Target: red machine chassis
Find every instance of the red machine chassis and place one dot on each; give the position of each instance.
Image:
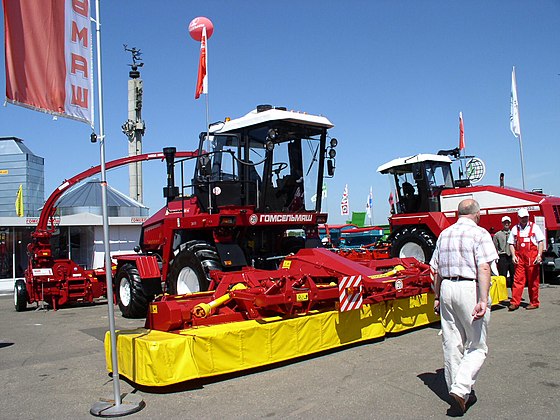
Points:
(307, 281)
(62, 281)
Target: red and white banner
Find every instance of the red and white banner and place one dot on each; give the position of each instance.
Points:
(461, 132)
(350, 293)
(49, 62)
(202, 80)
(344, 203)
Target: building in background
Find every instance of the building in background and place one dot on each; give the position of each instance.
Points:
(79, 222)
(19, 166)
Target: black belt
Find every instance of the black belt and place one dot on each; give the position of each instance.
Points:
(458, 279)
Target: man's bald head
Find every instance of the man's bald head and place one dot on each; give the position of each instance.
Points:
(468, 207)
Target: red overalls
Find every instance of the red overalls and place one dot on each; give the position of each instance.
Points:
(525, 269)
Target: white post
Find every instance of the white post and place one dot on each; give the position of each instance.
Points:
(117, 406)
(208, 142)
(522, 161)
(69, 239)
(13, 253)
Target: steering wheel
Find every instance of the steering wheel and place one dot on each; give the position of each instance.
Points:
(280, 166)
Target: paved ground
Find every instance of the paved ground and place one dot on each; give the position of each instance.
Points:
(52, 366)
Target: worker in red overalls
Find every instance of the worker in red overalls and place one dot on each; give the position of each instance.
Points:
(526, 242)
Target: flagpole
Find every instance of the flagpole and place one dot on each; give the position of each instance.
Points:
(522, 160)
(208, 147)
(117, 406)
(205, 87)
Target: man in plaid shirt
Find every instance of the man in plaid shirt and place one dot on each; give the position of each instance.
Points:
(461, 263)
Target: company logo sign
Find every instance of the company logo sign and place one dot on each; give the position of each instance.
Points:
(280, 218)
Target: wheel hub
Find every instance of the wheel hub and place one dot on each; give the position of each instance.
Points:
(124, 291)
(187, 281)
(412, 249)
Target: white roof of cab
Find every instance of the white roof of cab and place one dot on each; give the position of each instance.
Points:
(254, 118)
(424, 157)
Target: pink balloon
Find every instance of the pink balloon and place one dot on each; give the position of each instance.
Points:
(196, 25)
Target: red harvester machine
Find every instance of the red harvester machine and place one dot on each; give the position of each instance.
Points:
(249, 204)
(61, 281)
(427, 196)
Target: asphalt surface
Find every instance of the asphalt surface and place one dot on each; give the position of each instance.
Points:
(52, 365)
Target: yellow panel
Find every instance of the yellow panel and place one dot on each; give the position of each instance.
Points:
(498, 289)
(404, 314)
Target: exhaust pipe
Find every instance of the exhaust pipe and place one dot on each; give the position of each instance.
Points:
(171, 191)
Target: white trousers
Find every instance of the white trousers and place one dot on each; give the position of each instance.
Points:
(464, 338)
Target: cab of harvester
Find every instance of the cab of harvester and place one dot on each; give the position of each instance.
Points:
(427, 196)
(255, 198)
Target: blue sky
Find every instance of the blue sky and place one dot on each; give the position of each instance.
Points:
(391, 75)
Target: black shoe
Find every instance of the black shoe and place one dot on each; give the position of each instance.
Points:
(471, 400)
(461, 403)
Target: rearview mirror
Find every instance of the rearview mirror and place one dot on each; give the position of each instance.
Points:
(330, 167)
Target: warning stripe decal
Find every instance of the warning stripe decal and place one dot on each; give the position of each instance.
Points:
(350, 293)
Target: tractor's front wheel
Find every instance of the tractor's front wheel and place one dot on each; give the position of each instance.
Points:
(413, 242)
(20, 296)
(132, 300)
(190, 268)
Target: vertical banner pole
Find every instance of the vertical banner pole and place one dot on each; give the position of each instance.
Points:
(522, 161)
(13, 253)
(208, 145)
(117, 406)
(106, 238)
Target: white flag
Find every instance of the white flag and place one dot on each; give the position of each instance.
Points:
(514, 114)
(369, 203)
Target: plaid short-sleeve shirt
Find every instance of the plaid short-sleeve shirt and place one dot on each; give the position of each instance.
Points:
(461, 248)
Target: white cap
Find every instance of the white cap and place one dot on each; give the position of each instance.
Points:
(506, 218)
(523, 213)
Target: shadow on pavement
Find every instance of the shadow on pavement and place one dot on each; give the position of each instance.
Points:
(5, 344)
(436, 382)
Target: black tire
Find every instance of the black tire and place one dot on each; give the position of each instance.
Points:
(20, 296)
(132, 300)
(413, 242)
(191, 266)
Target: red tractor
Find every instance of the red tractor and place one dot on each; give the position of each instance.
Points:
(249, 203)
(426, 202)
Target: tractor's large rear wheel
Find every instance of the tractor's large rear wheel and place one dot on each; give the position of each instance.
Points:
(132, 300)
(413, 242)
(20, 296)
(190, 268)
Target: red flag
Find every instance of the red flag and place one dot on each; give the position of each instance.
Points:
(202, 81)
(461, 132)
(49, 56)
